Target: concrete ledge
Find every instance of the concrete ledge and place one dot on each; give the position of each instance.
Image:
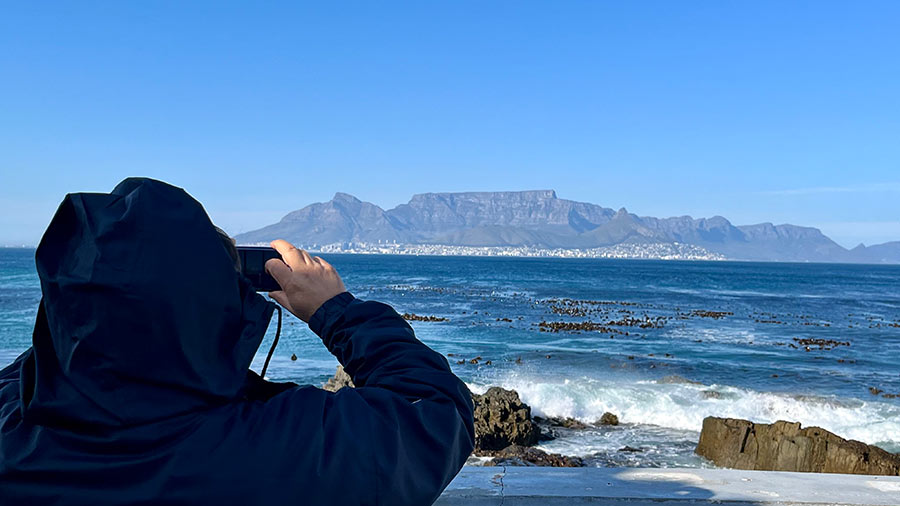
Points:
(639, 487)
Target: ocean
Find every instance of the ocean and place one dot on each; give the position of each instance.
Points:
(661, 344)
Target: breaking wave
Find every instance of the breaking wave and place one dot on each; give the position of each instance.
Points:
(684, 405)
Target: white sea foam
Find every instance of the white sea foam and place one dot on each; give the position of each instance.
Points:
(683, 406)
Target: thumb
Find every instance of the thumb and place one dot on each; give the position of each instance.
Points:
(281, 298)
(278, 270)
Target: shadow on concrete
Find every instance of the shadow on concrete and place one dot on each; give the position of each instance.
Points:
(640, 486)
(511, 486)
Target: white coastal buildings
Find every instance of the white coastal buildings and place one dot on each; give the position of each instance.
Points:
(649, 251)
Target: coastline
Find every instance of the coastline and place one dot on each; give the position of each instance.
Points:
(607, 253)
(647, 251)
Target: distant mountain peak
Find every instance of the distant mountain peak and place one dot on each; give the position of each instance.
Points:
(345, 197)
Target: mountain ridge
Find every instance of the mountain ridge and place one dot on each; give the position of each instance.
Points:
(539, 218)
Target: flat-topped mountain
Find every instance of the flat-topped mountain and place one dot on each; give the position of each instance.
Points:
(541, 219)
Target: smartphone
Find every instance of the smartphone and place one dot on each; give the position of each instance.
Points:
(253, 266)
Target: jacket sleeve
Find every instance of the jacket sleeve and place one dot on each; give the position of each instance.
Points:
(418, 413)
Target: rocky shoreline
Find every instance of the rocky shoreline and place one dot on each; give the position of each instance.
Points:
(506, 434)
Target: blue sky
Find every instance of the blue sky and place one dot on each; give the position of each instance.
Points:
(757, 111)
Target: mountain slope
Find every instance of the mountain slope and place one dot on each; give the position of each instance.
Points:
(887, 253)
(342, 219)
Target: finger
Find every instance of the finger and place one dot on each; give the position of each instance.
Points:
(324, 263)
(306, 258)
(278, 270)
(289, 253)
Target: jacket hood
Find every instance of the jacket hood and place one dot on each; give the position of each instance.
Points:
(143, 315)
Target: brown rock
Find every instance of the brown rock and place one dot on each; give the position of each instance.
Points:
(608, 419)
(340, 380)
(568, 422)
(502, 419)
(515, 455)
(421, 318)
(785, 446)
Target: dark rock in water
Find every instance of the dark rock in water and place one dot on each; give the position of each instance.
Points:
(676, 379)
(340, 380)
(502, 419)
(546, 435)
(546, 427)
(421, 318)
(571, 423)
(631, 449)
(823, 344)
(785, 446)
(516, 455)
(608, 419)
(711, 394)
(711, 314)
(568, 422)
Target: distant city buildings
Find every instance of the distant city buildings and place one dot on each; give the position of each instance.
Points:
(652, 251)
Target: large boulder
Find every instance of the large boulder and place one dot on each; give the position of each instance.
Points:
(785, 446)
(340, 380)
(502, 419)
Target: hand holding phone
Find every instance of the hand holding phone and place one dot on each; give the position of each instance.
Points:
(306, 281)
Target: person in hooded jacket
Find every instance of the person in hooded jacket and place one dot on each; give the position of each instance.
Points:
(137, 388)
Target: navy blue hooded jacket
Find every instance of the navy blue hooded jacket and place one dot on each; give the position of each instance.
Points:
(137, 388)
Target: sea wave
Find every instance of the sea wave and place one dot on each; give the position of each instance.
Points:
(683, 406)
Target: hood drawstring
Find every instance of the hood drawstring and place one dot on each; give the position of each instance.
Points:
(262, 373)
(231, 248)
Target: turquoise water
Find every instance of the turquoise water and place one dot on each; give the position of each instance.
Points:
(727, 339)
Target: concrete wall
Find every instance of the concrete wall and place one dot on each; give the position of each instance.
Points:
(475, 486)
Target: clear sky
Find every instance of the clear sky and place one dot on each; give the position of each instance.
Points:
(782, 111)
